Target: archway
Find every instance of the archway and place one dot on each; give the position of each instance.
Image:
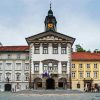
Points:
(37, 83)
(50, 83)
(7, 87)
(62, 83)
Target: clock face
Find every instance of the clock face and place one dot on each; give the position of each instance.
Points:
(50, 25)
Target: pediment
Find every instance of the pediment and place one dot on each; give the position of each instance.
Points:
(49, 36)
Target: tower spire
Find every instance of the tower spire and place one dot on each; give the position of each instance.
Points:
(50, 5)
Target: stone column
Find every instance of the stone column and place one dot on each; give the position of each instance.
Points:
(59, 68)
(41, 68)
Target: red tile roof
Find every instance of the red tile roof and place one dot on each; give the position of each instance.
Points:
(14, 48)
(83, 56)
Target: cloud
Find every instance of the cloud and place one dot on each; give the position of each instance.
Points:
(27, 18)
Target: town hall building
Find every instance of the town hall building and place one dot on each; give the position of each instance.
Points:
(50, 57)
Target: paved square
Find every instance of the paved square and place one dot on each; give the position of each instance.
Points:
(48, 95)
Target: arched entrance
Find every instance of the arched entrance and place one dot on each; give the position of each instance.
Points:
(7, 87)
(62, 83)
(50, 83)
(37, 83)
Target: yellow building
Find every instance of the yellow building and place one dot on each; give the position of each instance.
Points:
(85, 71)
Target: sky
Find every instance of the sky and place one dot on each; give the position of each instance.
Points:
(76, 18)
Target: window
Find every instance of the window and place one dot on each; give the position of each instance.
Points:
(18, 66)
(80, 65)
(26, 76)
(8, 76)
(45, 48)
(95, 74)
(8, 66)
(36, 67)
(26, 66)
(55, 66)
(73, 65)
(88, 65)
(0, 76)
(45, 67)
(95, 65)
(36, 49)
(18, 56)
(0, 56)
(0, 66)
(63, 49)
(81, 74)
(73, 74)
(18, 76)
(87, 74)
(64, 66)
(9, 56)
(55, 48)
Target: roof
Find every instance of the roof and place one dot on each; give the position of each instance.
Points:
(14, 48)
(84, 56)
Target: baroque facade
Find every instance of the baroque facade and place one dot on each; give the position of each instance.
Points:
(50, 57)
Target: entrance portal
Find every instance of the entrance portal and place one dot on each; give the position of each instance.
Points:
(7, 87)
(50, 83)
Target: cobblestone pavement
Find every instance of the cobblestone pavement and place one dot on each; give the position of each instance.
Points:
(49, 95)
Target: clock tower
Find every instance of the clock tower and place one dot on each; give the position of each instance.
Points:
(50, 21)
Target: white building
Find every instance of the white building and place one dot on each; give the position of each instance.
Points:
(50, 56)
(14, 68)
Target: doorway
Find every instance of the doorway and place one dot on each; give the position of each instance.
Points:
(7, 87)
(50, 83)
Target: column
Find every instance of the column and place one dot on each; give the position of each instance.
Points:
(41, 68)
(59, 68)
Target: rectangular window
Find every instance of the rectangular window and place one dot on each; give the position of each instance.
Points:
(81, 74)
(88, 65)
(80, 65)
(18, 75)
(45, 67)
(95, 65)
(36, 49)
(26, 77)
(36, 67)
(0, 76)
(8, 76)
(73, 74)
(55, 48)
(55, 66)
(64, 66)
(95, 74)
(87, 74)
(0, 66)
(8, 66)
(73, 65)
(18, 66)
(26, 66)
(63, 49)
(45, 48)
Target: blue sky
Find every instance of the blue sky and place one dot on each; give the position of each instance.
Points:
(77, 18)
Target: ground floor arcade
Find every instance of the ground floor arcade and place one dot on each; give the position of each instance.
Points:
(50, 83)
